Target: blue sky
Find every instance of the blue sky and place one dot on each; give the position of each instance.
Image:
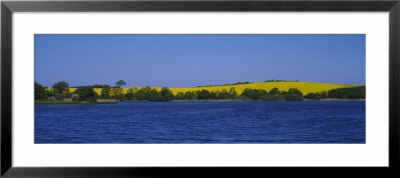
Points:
(193, 60)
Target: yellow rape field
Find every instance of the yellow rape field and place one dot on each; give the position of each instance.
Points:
(304, 87)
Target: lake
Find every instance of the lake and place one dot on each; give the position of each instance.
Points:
(202, 122)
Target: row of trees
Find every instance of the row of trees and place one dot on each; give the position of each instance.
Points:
(247, 82)
(152, 94)
(61, 91)
(340, 93)
(348, 93)
(293, 94)
(80, 94)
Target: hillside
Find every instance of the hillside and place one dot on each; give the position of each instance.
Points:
(304, 87)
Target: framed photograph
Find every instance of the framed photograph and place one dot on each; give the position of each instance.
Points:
(157, 88)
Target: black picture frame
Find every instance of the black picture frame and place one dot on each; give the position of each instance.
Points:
(8, 7)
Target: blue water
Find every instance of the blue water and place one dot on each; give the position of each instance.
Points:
(202, 122)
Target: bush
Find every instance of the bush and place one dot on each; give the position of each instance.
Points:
(185, 96)
(224, 94)
(323, 94)
(241, 97)
(274, 97)
(154, 95)
(190, 95)
(86, 93)
(254, 93)
(64, 95)
(293, 94)
(314, 96)
(274, 91)
(348, 93)
(75, 97)
(232, 92)
(180, 96)
(121, 97)
(60, 88)
(49, 93)
(166, 94)
(148, 93)
(40, 92)
(204, 94)
(130, 95)
(105, 91)
(60, 97)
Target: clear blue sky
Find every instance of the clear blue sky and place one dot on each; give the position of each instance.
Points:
(193, 60)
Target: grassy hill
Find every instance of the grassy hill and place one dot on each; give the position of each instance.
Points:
(304, 87)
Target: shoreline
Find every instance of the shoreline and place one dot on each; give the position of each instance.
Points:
(233, 100)
(335, 99)
(70, 103)
(222, 100)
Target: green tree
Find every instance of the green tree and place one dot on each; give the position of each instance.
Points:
(274, 91)
(49, 93)
(204, 94)
(190, 95)
(180, 96)
(64, 95)
(253, 93)
(142, 92)
(323, 94)
(86, 93)
(105, 91)
(166, 94)
(120, 83)
(293, 94)
(60, 88)
(274, 97)
(213, 95)
(40, 92)
(314, 96)
(130, 94)
(224, 94)
(232, 92)
(348, 93)
(154, 95)
(151, 94)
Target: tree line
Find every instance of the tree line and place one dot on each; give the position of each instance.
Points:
(340, 93)
(61, 91)
(247, 82)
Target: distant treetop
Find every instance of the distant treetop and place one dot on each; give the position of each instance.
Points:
(120, 83)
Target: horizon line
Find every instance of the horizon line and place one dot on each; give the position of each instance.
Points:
(241, 83)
